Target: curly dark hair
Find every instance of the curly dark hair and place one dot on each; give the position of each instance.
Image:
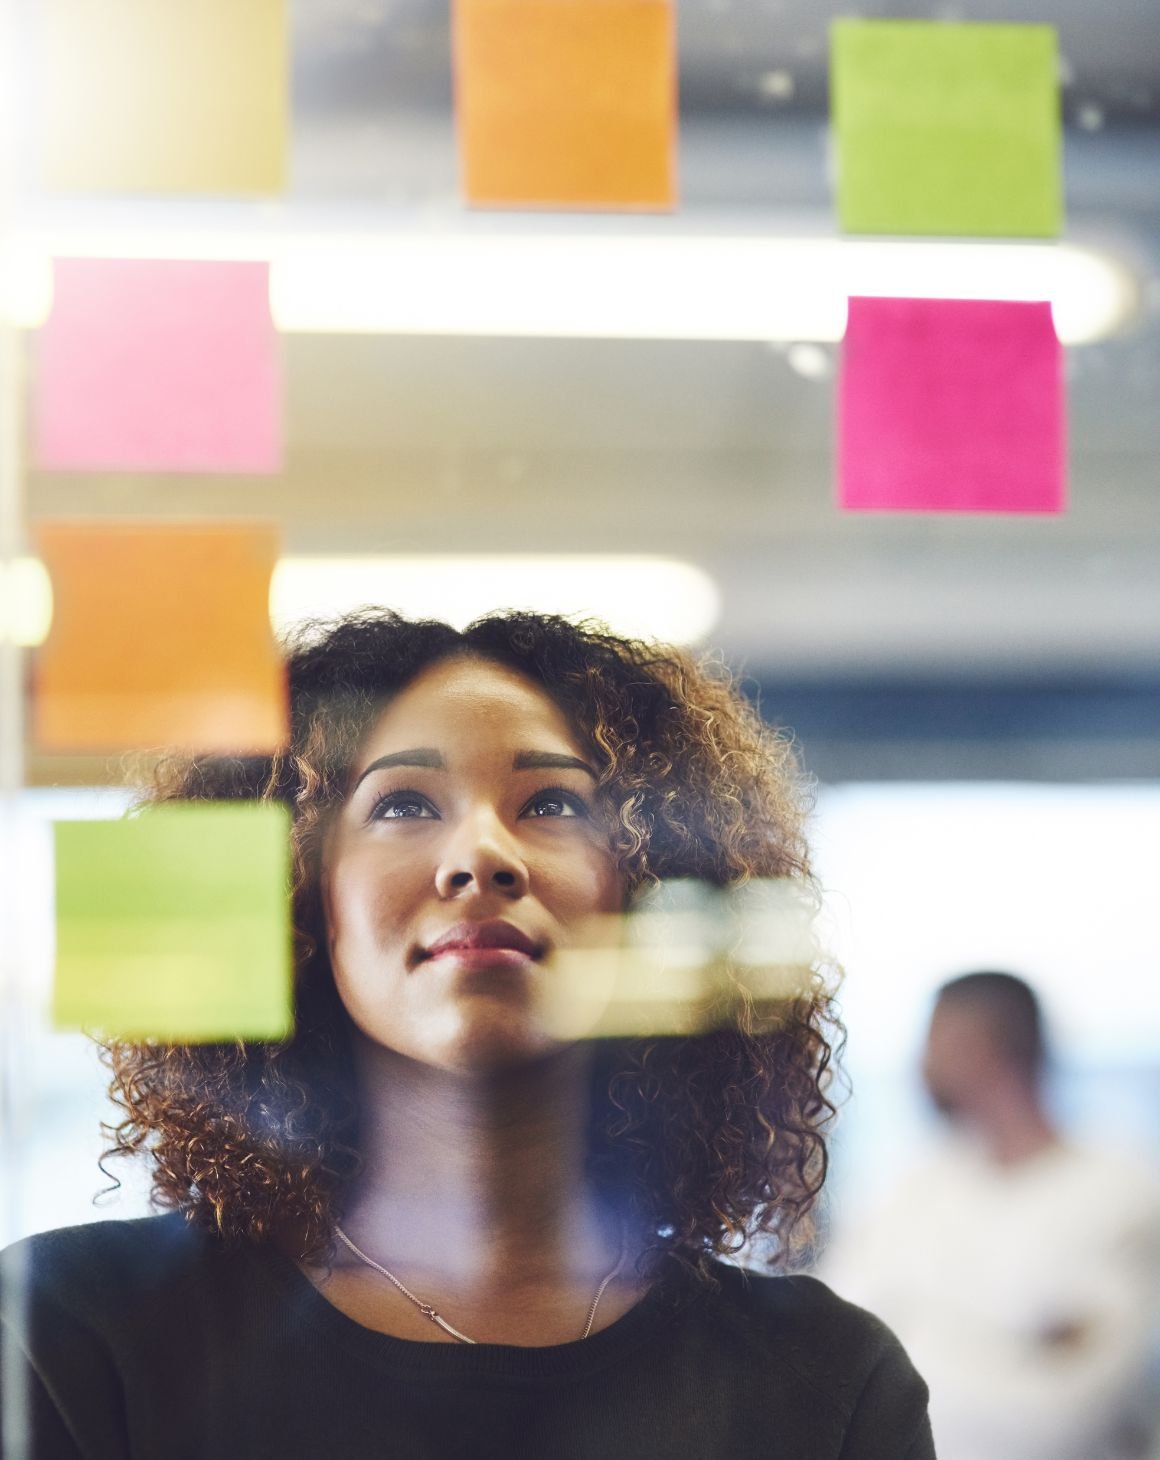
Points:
(707, 1139)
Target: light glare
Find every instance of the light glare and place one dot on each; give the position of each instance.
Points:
(652, 598)
(613, 286)
(25, 602)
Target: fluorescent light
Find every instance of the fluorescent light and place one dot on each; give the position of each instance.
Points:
(602, 285)
(655, 598)
(25, 287)
(25, 602)
(646, 597)
(663, 286)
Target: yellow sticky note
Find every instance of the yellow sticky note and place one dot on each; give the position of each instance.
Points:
(160, 638)
(567, 103)
(169, 96)
(174, 925)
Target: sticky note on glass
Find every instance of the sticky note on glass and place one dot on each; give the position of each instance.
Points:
(946, 128)
(566, 103)
(175, 924)
(164, 96)
(158, 365)
(951, 405)
(160, 637)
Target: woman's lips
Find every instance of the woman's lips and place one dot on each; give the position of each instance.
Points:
(512, 958)
(489, 933)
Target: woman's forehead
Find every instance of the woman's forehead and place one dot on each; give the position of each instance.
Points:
(466, 701)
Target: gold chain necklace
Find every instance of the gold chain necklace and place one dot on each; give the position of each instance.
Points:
(429, 1313)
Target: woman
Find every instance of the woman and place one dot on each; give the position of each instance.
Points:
(427, 1225)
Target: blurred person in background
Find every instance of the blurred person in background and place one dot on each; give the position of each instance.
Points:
(1019, 1267)
(428, 1225)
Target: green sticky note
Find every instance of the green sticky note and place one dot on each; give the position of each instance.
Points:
(174, 925)
(946, 128)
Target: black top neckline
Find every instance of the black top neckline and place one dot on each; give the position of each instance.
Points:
(645, 1320)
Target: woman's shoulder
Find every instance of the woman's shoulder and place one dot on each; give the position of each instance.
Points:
(839, 1367)
(799, 1300)
(801, 1316)
(96, 1262)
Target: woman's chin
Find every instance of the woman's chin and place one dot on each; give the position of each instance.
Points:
(477, 1038)
(487, 1046)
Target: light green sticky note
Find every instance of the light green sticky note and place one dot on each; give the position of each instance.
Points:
(174, 925)
(946, 128)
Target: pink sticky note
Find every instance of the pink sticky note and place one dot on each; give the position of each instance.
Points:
(951, 405)
(167, 365)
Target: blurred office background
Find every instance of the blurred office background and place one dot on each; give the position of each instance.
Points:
(977, 696)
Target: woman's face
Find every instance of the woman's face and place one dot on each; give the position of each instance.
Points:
(470, 822)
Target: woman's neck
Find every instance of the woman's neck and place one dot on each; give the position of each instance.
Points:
(479, 1178)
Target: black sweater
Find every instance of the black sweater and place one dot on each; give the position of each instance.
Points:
(148, 1339)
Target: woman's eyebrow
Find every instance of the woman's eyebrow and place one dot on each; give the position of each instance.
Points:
(523, 760)
(542, 760)
(421, 756)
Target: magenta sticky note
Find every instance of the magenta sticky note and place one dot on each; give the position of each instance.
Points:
(951, 405)
(158, 365)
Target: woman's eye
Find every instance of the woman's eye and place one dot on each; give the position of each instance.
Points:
(410, 806)
(400, 806)
(555, 802)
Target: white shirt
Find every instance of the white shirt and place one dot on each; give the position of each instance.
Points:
(975, 1265)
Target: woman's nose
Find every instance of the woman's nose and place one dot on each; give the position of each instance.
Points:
(482, 855)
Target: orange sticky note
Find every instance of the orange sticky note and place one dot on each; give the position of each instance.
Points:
(567, 103)
(160, 638)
